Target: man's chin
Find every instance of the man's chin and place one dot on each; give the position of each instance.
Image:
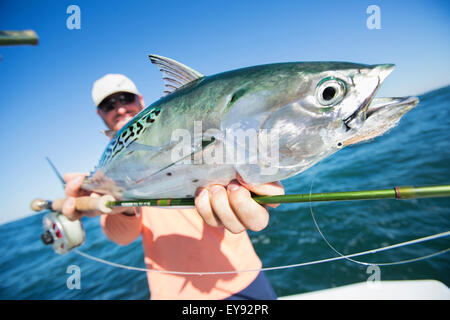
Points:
(122, 121)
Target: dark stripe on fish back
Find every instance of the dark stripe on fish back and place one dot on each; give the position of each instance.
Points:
(132, 131)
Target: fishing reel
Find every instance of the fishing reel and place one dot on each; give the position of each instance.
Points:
(62, 234)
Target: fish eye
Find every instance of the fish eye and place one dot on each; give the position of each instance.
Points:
(330, 91)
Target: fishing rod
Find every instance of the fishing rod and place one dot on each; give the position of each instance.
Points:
(64, 235)
(393, 193)
(107, 202)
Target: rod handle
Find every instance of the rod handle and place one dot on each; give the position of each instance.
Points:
(81, 204)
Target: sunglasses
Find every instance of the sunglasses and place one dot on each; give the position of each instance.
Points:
(109, 104)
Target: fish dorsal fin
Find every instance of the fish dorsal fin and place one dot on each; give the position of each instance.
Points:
(175, 74)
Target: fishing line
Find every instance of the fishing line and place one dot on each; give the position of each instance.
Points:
(347, 257)
(340, 255)
(402, 244)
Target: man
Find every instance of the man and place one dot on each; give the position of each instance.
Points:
(209, 238)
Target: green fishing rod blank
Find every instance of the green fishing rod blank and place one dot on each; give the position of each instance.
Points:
(404, 192)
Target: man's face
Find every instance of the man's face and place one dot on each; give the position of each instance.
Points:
(117, 109)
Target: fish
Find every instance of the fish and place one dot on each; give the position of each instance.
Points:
(264, 123)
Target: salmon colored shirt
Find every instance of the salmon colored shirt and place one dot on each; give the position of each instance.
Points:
(179, 240)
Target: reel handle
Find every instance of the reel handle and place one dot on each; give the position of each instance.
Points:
(81, 204)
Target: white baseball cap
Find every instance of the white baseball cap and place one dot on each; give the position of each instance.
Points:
(111, 83)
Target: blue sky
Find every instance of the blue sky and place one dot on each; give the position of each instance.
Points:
(45, 90)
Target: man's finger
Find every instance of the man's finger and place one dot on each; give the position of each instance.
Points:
(204, 209)
(222, 209)
(73, 187)
(250, 213)
(71, 175)
(266, 189)
(68, 209)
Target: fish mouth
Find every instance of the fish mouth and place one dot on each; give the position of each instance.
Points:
(395, 107)
(382, 115)
(381, 71)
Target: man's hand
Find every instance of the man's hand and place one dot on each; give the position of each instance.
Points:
(73, 190)
(233, 207)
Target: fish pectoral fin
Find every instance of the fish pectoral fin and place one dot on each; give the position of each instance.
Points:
(175, 74)
(206, 143)
(136, 146)
(199, 147)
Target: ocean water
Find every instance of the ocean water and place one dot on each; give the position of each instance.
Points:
(416, 152)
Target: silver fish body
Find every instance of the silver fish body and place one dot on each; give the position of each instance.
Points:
(265, 123)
